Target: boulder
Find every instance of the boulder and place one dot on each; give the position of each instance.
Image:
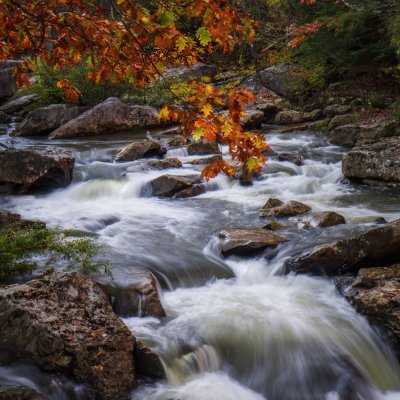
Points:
(19, 104)
(252, 119)
(45, 120)
(170, 185)
(166, 163)
(64, 323)
(136, 294)
(352, 134)
(248, 241)
(203, 148)
(36, 168)
(378, 162)
(110, 116)
(271, 203)
(141, 149)
(291, 157)
(273, 226)
(278, 78)
(206, 160)
(288, 117)
(339, 120)
(8, 85)
(195, 190)
(177, 141)
(20, 392)
(4, 118)
(195, 72)
(335, 109)
(147, 362)
(269, 108)
(8, 219)
(288, 209)
(312, 115)
(374, 246)
(323, 219)
(375, 293)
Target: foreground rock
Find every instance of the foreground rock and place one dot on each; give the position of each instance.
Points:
(323, 219)
(171, 185)
(278, 209)
(203, 148)
(352, 134)
(248, 241)
(37, 168)
(375, 293)
(366, 249)
(141, 149)
(8, 84)
(108, 117)
(64, 323)
(133, 295)
(19, 392)
(375, 164)
(46, 119)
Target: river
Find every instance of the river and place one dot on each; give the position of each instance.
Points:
(235, 328)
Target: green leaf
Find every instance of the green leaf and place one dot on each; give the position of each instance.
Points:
(251, 163)
(204, 36)
(181, 43)
(167, 18)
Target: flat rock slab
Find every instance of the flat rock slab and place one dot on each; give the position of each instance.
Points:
(36, 168)
(141, 149)
(354, 252)
(248, 241)
(64, 323)
(288, 209)
(203, 148)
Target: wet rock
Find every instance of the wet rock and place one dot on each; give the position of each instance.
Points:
(370, 219)
(206, 160)
(19, 392)
(37, 168)
(147, 362)
(273, 226)
(335, 109)
(272, 203)
(368, 248)
(196, 72)
(141, 149)
(203, 148)
(110, 116)
(18, 104)
(170, 185)
(312, 115)
(326, 219)
(339, 120)
(64, 323)
(294, 158)
(133, 295)
(176, 141)
(248, 241)
(8, 85)
(375, 293)
(375, 162)
(8, 219)
(350, 135)
(45, 120)
(4, 118)
(195, 190)
(252, 119)
(288, 209)
(288, 117)
(166, 163)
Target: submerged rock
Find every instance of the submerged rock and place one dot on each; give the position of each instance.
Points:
(110, 116)
(203, 148)
(64, 323)
(141, 149)
(170, 185)
(375, 163)
(273, 226)
(45, 120)
(248, 241)
(37, 168)
(368, 248)
(288, 209)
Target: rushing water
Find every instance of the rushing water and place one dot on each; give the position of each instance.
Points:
(235, 329)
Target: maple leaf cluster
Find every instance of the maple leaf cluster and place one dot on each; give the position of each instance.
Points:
(299, 33)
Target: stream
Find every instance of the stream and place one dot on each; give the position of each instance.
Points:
(235, 328)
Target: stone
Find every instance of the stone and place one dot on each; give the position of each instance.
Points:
(147, 362)
(373, 163)
(312, 115)
(206, 160)
(110, 116)
(269, 108)
(368, 248)
(252, 119)
(46, 119)
(141, 149)
(273, 226)
(8, 219)
(8, 85)
(271, 203)
(20, 392)
(195, 190)
(19, 104)
(203, 148)
(288, 117)
(335, 109)
(166, 163)
(64, 323)
(170, 185)
(36, 168)
(134, 294)
(176, 141)
(4, 118)
(339, 120)
(279, 79)
(195, 72)
(291, 157)
(352, 134)
(326, 219)
(248, 241)
(288, 209)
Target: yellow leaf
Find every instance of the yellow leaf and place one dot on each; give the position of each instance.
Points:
(164, 113)
(207, 110)
(198, 133)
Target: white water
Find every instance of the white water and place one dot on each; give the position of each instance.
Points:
(235, 329)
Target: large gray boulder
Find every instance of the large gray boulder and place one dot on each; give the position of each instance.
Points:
(46, 119)
(337, 258)
(7, 80)
(357, 133)
(110, 116)
(64, 323)
(141, 149)
(19, 104)
(279, 79)
(36, 168)
(196, 72)
(171, 185)
(288, 117)
(377, 163)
